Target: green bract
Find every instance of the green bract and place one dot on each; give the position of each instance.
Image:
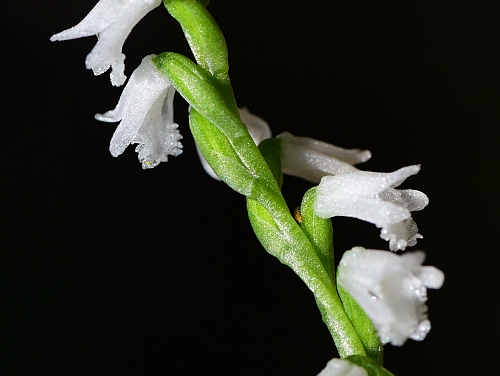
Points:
(363, 325)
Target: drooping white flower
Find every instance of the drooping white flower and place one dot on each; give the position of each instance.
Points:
(371, 196)
(391, 289)
(111, 21)
(258, 128)
(311, 159)
(342, 367)
(146, 111)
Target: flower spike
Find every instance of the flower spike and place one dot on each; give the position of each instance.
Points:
(145, 109)
(370, 196)
(111, 21)
(391, 289)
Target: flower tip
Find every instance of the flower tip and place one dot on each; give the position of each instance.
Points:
(364, 155)
(423, 328)
(107, 117)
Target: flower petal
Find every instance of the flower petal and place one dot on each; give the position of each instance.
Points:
(112, 21)
(409, 198)
(257, 127)
(378, 212)
(100, 17)
(311, 159)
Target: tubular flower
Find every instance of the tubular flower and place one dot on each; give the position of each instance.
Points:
(391, 289)
(311, 159)
(371, 196)
(111, 21)
(146, 110)
(257, 127)
(342, 367)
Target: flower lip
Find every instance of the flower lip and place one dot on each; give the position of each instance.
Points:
(145, 109)
(391, 289)
(111, 21)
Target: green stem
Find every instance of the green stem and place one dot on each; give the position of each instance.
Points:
(228, 148)
(282, 237)
(205, 40)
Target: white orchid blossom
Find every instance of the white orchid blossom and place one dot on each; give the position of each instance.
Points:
(111, 21)
(391, 289)
(146, 110)
(370, 196)
(258, 128)
(312, 159)
(342, 367)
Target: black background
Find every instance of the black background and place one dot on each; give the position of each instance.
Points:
(111, 270)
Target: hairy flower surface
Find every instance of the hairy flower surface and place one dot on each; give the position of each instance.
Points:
(311, 159)
(258, 128)
(391, 289)
(341, 367)
(111, 21)
(371, 196)
(146, 112)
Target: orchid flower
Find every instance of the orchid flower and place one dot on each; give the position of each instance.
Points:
(370, 196)
(391, 289)
(111, 21)
(145, 109)
(311, 159)
(342, 367)
(257, 127)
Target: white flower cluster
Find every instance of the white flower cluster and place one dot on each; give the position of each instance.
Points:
(390, 288)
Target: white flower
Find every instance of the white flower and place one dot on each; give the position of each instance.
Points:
(371, 196)
(391, 289)
(258, 128)
(111, 21)
(342, 367)
(311, 159)
(146, 110)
